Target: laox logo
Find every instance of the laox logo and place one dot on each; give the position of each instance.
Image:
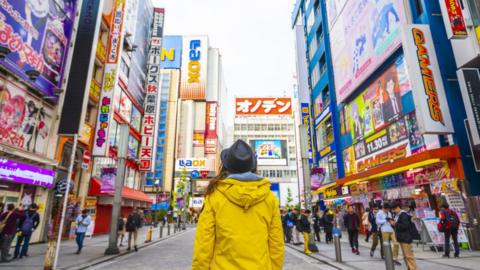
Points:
(191, 163)
(194, 67)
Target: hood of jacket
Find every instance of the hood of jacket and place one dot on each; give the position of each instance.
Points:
(244, 193)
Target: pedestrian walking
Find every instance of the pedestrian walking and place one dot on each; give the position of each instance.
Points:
(317, 225)
(288, 226)
(83, 221)
(449, 224)
(121, 229)
(296, 233)
(134, 222)
(304, 228)
(383, 222)
(406, 232)
(240, 225)
(376, 236)
(328, 217)
(351, 221)
(366, 224)
(8, 228)
(25, 229)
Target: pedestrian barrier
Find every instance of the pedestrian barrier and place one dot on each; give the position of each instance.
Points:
(175, 228)
(387, 253)
(148, 237)
(338, 249)
(161, 231)
(168, 230)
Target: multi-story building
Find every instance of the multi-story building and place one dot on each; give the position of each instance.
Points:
(395, 117)
(271, 133)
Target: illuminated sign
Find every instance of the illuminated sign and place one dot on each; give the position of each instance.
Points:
(152, 96)
(263, 106)
(194, 68)
(393, 154)
(330, 193)
(453, 19)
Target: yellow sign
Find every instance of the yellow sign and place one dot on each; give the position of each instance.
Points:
(325, 151)
(330, 193)
(85, 134)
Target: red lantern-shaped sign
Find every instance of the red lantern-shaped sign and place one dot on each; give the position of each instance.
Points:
(204, 174)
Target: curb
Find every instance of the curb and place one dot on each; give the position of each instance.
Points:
(107, 258)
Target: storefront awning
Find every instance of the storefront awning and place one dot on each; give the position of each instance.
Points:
(323, 188)
(450, 154)
(127, 193)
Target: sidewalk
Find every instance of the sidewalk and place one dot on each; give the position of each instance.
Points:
(426, 260)
(92, 253)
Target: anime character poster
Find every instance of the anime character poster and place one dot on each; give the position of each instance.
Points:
(415, 137)
(24, 120)
(107, 178)
(349, 161)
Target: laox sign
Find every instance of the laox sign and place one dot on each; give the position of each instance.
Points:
(191, 164)
(194, 66)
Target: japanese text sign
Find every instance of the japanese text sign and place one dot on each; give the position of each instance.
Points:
(151, 104)
(263, 106)
(37, 33)
(211, 128)
(453, 19)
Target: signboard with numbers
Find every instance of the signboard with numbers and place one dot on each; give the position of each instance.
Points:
(152, 96)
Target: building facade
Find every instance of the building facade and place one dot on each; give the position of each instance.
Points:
(395, 117)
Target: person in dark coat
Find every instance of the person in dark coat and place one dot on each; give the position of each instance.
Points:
(317, 224)
(376, 235)
(452, 223)
(352, 224)
(10, 219)
(26, 228)
(295, 221)
(288, 225)
(304, 228)
(134, 222)
(402, 224)
(328, 224)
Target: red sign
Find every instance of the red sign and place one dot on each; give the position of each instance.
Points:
(204, 174)
(263, 106)
(211, 128)
(455, 24)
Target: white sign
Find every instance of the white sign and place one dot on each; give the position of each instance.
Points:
(194, 67)
(428, 92)
(191, 164)
(196, 202)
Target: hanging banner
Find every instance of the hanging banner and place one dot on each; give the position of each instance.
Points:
(152, 97)
(194, 67)
(110, 76)
(305, 108)
(431, 104)
(469, 80)
(453, 19)
(107, 180)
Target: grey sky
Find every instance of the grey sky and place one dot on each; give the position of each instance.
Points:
(254, 38)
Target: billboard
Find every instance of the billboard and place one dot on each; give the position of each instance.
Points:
(110, 76)
(171, 55)
(37, 33)
(152, 96)
(193, 84)
(429, 94)
(306, 120)
(334, 8)
(139, 26)
(270, 152)
(469, 80)
(25, 120)
(211, 128)
(453, 19)
(13, 171)
(263, 106)
(363, 36)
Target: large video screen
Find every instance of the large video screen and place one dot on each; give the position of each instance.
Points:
(270, 152)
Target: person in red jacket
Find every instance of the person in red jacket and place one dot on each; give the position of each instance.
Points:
(10, 220)
(450, 221)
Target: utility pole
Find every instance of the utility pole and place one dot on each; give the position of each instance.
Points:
(117, 198)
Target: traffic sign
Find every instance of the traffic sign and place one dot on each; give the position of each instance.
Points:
(86, 160)
(195, 174)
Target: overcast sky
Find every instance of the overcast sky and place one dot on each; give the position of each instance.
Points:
(254, 38)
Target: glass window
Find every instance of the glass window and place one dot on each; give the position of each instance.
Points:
(325, 133)
(329, 163)
(310, 21)
(315, 76)
(312, 48)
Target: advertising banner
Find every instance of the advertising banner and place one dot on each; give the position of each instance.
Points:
(110, 75)
(263, 106)
(191, 164)
(211, 128)
(469, 80)
(85, 134)
(25, 174)
(306, 119)
(453, 19)
(429, 94)
(25, 120)
(37, 33)
(152, 97)
(270, 152)
(334, 8)
(107, 180)
(193, 83)
(171, 55)
(363, 36)
(139, 26)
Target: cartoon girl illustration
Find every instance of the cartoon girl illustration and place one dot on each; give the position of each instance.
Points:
(34, 125)
(357, 121)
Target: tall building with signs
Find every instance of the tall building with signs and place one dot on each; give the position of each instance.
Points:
(268, 125)
(395, 116)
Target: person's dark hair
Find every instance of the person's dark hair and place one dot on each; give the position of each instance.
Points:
(394, 205)
(376, 206)
(10, 206)
(223, 174)
(307, 211)
(350, 205)
(445, 205)
(386, 205)
(85, 211)
(33, 206)
(368, 209)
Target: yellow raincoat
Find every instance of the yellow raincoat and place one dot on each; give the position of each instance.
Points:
(239, 228)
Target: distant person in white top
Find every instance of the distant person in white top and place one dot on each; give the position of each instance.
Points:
(83, 221)
(383, 222)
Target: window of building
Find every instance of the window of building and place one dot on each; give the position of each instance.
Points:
(329, 164)
(124, 67)
(310, 21)
(323, 65)
(315, 75)
(316, 8)
(326, 96)
(325, 133)
(312, 48)
(418, 7)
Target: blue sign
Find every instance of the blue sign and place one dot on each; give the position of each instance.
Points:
(171, 55)
(195, 174)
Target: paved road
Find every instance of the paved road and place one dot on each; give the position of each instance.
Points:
(176, 254)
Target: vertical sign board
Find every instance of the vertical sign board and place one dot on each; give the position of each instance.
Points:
(453, 19)
(152, 96)
(305, 108)
(469, 80)
(171, 52)
(110, 75)
(193, 84)
(211, 128)
(431, 105)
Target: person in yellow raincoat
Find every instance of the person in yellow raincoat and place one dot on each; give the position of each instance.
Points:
(240, 225)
